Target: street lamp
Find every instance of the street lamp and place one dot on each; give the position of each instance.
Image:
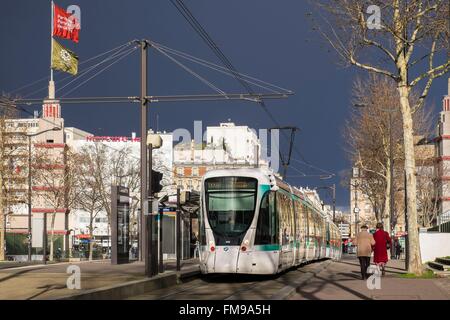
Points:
(355, 187)
(29, 183)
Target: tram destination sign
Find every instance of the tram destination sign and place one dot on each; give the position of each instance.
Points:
(230, 183)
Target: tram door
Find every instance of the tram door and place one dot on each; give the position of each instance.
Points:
(303, 220)
(286, 215)
(311, 242)
(299, 231)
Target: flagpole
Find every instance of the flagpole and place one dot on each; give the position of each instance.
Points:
(51, 41)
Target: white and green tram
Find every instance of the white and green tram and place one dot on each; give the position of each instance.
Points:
(252, 222)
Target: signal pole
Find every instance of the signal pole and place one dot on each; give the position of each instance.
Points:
(144, 189)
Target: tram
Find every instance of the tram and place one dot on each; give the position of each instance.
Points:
(252, 222)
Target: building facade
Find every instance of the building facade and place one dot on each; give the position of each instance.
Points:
(44, 137)
(443, 155)
(226, 146)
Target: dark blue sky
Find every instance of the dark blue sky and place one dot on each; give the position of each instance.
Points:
(271, 40)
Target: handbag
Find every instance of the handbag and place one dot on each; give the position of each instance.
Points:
(388, 244)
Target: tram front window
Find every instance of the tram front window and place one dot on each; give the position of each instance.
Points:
(230, 205)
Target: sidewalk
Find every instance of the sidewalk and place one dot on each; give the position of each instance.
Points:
(342, 281)
(49, 281)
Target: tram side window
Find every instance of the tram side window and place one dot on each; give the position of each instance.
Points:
(286, 214)
(266, 229)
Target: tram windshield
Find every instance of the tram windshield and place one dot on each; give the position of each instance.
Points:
(230, 204)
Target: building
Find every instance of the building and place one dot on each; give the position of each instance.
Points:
(362, 208)
(128, 150)
(443, 155)
(45, 137)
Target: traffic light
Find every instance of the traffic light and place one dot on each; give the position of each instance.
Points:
(156, 181)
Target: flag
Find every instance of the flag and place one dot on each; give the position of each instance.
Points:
(65, 25)
(63, 59)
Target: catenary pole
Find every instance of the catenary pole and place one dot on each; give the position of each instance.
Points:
(144, 193)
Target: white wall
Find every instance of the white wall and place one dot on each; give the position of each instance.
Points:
(434, 245)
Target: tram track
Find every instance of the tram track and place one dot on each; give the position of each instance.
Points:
(238, 287)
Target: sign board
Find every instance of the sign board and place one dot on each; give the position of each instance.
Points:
(120, 221)
(37, 233)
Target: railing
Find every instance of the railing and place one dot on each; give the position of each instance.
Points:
(444, 222)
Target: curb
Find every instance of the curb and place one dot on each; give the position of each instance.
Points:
(38, 265)
(132, 288)
(287, 291)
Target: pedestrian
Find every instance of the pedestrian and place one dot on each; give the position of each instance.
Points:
(398, 249)
(364, 242)
(383, 242)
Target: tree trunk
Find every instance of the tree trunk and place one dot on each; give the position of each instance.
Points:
(91, 240)
(414, 261)
(52, 236)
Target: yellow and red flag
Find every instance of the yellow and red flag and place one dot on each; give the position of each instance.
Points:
(65, 25)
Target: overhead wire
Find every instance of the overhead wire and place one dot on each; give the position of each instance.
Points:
(118, 48)
(91, 68)
(122, 56)
(208, 83)
(187, 14)
(220, 69)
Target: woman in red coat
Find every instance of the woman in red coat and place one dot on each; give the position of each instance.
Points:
(382, 241)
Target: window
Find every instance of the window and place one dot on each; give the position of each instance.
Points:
(230, 204)
(267, 227)
(286, 214)
(180, 171)
(195, 171)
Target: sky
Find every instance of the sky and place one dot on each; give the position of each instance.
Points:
(270, 40)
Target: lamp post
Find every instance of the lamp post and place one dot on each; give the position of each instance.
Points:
(29, 184)
(355, 187)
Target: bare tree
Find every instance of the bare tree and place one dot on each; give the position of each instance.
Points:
(57, 176)
(109, 166)
(427, 196)
(404, 46)
(89, 193)
(11, 162)
(369, 133)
